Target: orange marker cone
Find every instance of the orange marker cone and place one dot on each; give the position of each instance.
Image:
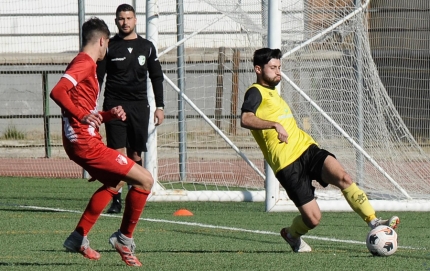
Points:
(182, 212)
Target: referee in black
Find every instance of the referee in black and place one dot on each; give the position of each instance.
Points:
(129, 61)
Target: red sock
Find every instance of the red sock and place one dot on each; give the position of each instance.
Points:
(134, 204)
(97, 203)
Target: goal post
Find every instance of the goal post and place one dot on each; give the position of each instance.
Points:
(274, 34)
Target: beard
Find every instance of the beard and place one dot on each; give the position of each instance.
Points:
(271, 82)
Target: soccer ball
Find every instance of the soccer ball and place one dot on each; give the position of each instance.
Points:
(382, 241)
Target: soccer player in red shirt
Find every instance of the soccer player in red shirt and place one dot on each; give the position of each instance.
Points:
(77, 93)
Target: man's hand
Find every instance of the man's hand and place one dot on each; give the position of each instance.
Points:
(104, 116)
(250, 121)
(282, 134)
(93, 119)
(118, 113)
(158, 117)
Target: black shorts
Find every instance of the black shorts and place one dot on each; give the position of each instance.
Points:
(131, 133)
(297, 177)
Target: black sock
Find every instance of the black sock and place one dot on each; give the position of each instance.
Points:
(117, 198)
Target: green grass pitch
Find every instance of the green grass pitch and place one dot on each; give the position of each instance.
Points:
(36, 215)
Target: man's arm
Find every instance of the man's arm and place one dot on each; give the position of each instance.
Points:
(59, 95)
(116, 112)
(249, 120)
(156, 76)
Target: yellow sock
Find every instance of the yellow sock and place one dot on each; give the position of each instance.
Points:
(298, 227)
(358, 201)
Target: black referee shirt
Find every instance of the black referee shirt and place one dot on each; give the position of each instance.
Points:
(128, 64)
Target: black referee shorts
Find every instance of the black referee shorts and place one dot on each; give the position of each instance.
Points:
(131, 133)
(297, 177)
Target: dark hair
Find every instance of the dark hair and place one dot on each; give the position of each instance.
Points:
(264, 55)
(124, 7)
(93, 29)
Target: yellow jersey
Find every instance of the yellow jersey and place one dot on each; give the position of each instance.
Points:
(274, 108)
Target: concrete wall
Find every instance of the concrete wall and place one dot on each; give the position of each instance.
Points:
(400, 42)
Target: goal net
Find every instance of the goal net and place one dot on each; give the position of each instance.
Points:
(337, 96)
(378, 130)
(330, 82)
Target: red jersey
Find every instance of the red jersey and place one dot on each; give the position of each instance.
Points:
(77, 93)
(81, 72)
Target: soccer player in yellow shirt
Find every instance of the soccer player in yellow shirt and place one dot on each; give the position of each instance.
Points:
(294, 156)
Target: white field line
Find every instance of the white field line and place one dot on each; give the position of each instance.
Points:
(212, 226)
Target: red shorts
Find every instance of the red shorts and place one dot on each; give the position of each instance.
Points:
(102, 163)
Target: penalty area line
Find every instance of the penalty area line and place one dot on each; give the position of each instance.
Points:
(201, 225)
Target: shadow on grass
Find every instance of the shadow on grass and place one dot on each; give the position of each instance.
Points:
(36, 264)
(23, 210)
(352, 253)
(193, 233)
